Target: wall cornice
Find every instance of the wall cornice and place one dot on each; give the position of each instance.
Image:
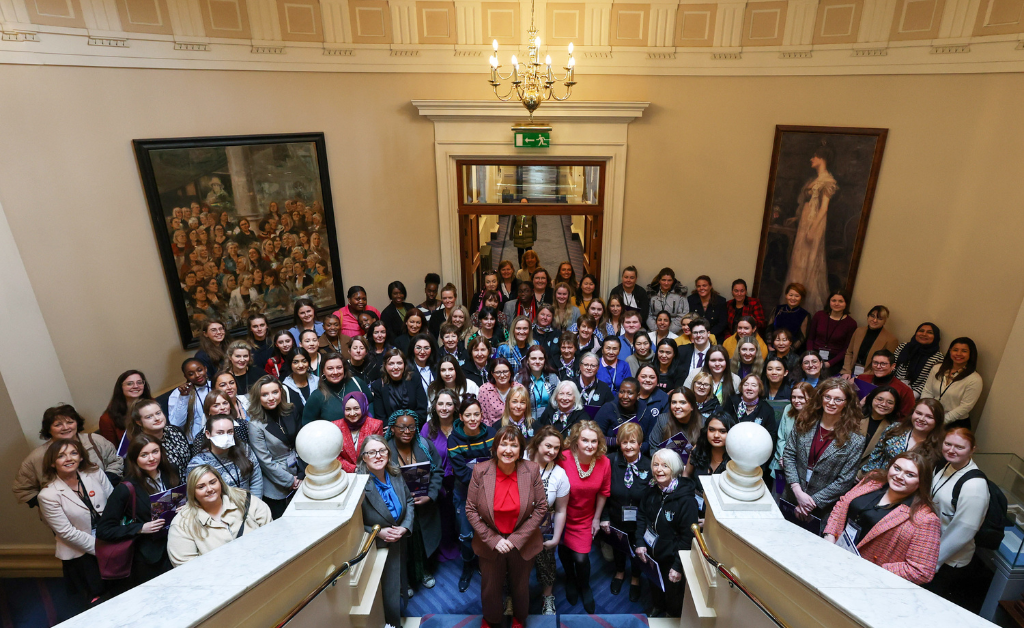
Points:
(726, 38)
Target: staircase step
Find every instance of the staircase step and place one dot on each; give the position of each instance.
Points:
(534, 621)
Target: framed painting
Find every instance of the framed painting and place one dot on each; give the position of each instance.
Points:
(244, 225)
(820, 189)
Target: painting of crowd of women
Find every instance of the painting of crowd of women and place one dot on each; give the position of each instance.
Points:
(820, 189)
(244, 224)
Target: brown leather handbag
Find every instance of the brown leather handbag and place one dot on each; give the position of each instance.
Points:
(115, 557)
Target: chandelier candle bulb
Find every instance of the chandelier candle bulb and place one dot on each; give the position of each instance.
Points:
(533, 85)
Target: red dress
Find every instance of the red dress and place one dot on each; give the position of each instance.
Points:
(579, 514)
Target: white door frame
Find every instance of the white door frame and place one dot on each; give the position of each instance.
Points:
(465, 129)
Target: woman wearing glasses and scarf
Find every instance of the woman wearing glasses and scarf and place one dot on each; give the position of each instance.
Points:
(420, 465)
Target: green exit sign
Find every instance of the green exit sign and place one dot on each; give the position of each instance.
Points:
(533, 139)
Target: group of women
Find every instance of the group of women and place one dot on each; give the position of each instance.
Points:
(544, 419)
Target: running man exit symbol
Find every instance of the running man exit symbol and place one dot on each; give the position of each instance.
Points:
(533, 139)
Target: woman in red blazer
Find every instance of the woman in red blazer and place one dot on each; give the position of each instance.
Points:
(505, 505)
(891, 519)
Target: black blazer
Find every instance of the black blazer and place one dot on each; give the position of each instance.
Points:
(427, 515)
(412, 390)
(716, 314)
(684, 357)
(574, 417)
(393, 320)
(599, 393)
(150, 548)
(623, 495)
(473, 374)
(670, 515)
(643, 301)
(437, 319)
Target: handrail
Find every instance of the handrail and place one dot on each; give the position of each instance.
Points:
(733, 581)
(329, 580)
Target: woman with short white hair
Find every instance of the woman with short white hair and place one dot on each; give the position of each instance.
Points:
(565, 408)
(663, 529)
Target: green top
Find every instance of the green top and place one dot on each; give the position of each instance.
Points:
(330, 407)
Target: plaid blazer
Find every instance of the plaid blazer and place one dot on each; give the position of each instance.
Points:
(907, 546)
(834, 474)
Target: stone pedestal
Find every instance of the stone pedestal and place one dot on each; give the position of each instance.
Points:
(319, 444)
(741, 488)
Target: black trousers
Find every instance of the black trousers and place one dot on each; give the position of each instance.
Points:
(671, 599)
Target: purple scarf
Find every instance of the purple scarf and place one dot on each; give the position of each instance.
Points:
(363, 409)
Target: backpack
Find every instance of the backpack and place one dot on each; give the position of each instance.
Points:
(990, 535)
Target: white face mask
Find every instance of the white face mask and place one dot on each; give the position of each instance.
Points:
(223, 441)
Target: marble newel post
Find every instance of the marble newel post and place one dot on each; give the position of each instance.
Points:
(741, 486)
(319, 444)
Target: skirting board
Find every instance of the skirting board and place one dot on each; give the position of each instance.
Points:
(29, 561)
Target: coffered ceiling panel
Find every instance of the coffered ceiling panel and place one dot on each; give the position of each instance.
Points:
(300, 20)
(916, 19)
(764, 23)
(695, 24)
(1000, 17)
(837, 21)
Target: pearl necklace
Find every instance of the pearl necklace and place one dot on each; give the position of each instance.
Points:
(584, 475)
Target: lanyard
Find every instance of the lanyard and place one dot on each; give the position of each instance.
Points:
(227, 470)
(936, 489)
(94, 516)
(943, 391)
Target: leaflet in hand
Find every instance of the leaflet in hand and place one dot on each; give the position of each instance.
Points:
(678, 444)
(812, 524)
(417, 478)
(863, 388)
(475, 461)
(652, 570)
(619, 540)
(165, 505)
(844, 541)
(122, 447)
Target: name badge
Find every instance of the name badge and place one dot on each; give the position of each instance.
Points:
(293, 460)
(629, 513)
(650, 538)
(852, 530)
(700, 503)
(823, 353)
(810, 472)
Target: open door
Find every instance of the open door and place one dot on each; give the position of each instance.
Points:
(469, 255)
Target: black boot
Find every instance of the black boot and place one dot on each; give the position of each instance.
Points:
(588, 599)
(467, 575)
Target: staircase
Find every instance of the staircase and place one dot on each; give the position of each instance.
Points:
(546, 621)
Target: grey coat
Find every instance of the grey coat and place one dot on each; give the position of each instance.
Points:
(273, 455)
(428, 518)
(833, 475)
(393, 581)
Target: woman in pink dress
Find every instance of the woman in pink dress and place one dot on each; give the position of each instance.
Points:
(590, 483)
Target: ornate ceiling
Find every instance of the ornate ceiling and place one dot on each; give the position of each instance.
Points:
(630, 37)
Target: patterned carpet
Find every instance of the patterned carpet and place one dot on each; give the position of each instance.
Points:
(445, 598)
(541, 621)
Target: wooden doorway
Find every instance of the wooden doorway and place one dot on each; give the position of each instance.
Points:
(496, 187)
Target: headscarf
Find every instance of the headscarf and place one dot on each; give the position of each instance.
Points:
(389, 433)
(364, 409)
(915, 355)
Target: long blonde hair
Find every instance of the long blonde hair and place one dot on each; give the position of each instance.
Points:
(190, 512)
(562, 313)
(518, 390)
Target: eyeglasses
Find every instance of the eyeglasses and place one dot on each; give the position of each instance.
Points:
(376, 453)
(880, 365)
(834, 401)
(404, 428)
(502, 373)
(421, 349)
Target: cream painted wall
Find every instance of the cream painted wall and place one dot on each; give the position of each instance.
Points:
(21, 525)
(945, 216)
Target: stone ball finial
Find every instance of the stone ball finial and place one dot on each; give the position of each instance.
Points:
(319, 443)
(749, 446)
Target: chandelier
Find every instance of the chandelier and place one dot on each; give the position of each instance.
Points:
(530, 85)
